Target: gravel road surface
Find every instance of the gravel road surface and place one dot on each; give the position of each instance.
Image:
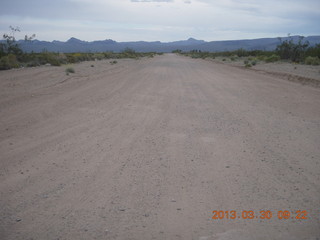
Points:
(149, 148)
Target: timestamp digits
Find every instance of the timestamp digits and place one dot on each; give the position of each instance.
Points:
(263, 214)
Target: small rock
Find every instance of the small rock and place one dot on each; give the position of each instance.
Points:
(179, 209)
(173, 200)
(122, 209)
(227, 166)
(18, 220)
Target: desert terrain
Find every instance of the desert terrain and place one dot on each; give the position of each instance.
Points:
(149, 148)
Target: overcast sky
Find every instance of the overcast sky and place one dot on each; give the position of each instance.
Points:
(163, 20)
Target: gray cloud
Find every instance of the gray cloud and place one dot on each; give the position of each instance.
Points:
(152, 1)
(164, 20)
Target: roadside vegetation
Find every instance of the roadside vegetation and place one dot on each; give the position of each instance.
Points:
(70, 70)
(289, 51)
(12, 56)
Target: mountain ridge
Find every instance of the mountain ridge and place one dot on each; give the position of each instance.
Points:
(76, 45)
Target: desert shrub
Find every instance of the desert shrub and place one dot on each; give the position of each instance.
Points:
(203, 55)
(312, 61)
(290, 50)
(313, 51)
(272, 58)
(54, 62)
(113, 62)
(177, 51)
(33, 63)
(109, 55)
(71, 58)
(4, 63)
(249, 63)
(233, 58)
(128, 53)
(8, 62)
(51, 58)
(79, 57)
(242, 53)
(70, 70)
(98, 56)
(62, 58)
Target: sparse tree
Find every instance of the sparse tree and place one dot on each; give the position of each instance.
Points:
(10, 45)
(292, 51)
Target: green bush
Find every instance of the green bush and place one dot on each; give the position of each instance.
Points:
(129, 53)
(313, 51)
(272, 58)
(312, 61)
(54, 59)
(290, 50)
(233, 58)
(8, 62)
(33, 63)
(99, 56)
(177, 51)
(70, 70)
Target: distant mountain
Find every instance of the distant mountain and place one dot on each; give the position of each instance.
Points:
(76, 45)
(189, 42)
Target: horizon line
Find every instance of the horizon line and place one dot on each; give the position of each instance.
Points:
(288, 36)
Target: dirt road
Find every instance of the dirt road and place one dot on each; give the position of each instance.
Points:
(147, 149)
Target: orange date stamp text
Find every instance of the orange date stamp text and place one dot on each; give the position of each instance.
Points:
(263, 214)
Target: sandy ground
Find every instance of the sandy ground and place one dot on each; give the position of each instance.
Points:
(147, 149)
(304, 74)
